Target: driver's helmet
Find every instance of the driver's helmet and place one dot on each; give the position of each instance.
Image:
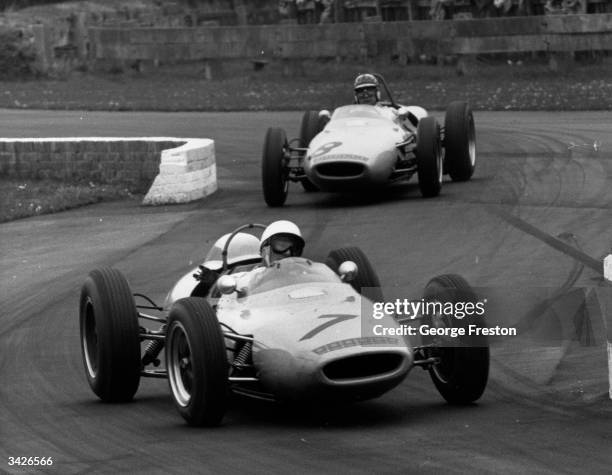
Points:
(243, 247)
(279, 240)
(367, 89)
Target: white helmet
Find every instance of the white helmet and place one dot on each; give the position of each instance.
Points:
(243, 247)
(285, 234)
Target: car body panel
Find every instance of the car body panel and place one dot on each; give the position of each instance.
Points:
(303, 319)
(358, 147)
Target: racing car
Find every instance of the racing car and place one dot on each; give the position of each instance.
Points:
(360, 147)
(294, 332)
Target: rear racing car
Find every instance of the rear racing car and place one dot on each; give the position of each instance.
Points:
(296, 330)
(359, 146)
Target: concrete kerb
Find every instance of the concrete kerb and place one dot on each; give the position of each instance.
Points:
(186, 170)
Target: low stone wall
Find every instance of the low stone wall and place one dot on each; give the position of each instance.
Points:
(186, 171)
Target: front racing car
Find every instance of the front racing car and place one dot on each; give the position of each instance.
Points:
(293, 330)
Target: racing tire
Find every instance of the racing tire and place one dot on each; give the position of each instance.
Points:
(461, 375)
(110, 335)
(311, 125)
(274, 168)
(429, 157)
(196, 362)
(366, 275)
(459, 141)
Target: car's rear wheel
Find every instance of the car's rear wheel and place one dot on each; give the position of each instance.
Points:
(366, 282)
(429, 157)
(459, 141)
(463, 369)
(311, 125)
(275, 167)
(110, 335)
(196, 362)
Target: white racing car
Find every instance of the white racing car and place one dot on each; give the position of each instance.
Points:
(360, 146)
(295, 330)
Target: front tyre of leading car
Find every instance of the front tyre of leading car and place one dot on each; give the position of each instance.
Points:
(196, 362)
(275, 167)
(110, 336)
(462, 368)
(459, 141)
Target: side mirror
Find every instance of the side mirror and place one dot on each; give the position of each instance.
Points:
(226, 284)
(324, 113)
(347, 271)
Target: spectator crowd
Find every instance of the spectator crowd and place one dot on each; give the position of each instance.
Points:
(325, 11)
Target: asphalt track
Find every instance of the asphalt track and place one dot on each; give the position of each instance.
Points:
(539, 175)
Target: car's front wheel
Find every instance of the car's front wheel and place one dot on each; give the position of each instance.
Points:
(429, 157)
(275, 167)
(110, 335)
(196, 362)
(462, 370)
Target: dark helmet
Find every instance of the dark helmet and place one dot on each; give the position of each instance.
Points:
(366, 81)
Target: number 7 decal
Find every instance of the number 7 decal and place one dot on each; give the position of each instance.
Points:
(335, 318)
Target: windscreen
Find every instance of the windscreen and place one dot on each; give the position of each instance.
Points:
(291, 271)
(357, 111)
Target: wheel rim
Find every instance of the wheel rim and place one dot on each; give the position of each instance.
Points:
(180, 369)
(440, 163)
(285, 171)
(441, 369)
(90, 339)
(472, 143)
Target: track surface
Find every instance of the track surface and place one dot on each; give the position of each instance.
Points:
(528, 169)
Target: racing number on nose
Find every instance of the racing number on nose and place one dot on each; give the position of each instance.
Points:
(336, 318)
(326, 148)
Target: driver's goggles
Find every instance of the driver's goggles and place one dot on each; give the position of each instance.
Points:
(367, 90)
(281, 245)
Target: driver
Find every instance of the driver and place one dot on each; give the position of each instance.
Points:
(367, 91)
(279, 240)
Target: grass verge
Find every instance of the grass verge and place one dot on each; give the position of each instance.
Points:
(24, 198)
(236, 86)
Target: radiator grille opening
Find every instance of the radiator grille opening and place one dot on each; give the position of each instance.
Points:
(340, 169)
(362, 366)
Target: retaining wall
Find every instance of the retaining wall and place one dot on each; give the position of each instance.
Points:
(170, 170)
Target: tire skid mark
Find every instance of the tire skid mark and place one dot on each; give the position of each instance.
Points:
(548, 239)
